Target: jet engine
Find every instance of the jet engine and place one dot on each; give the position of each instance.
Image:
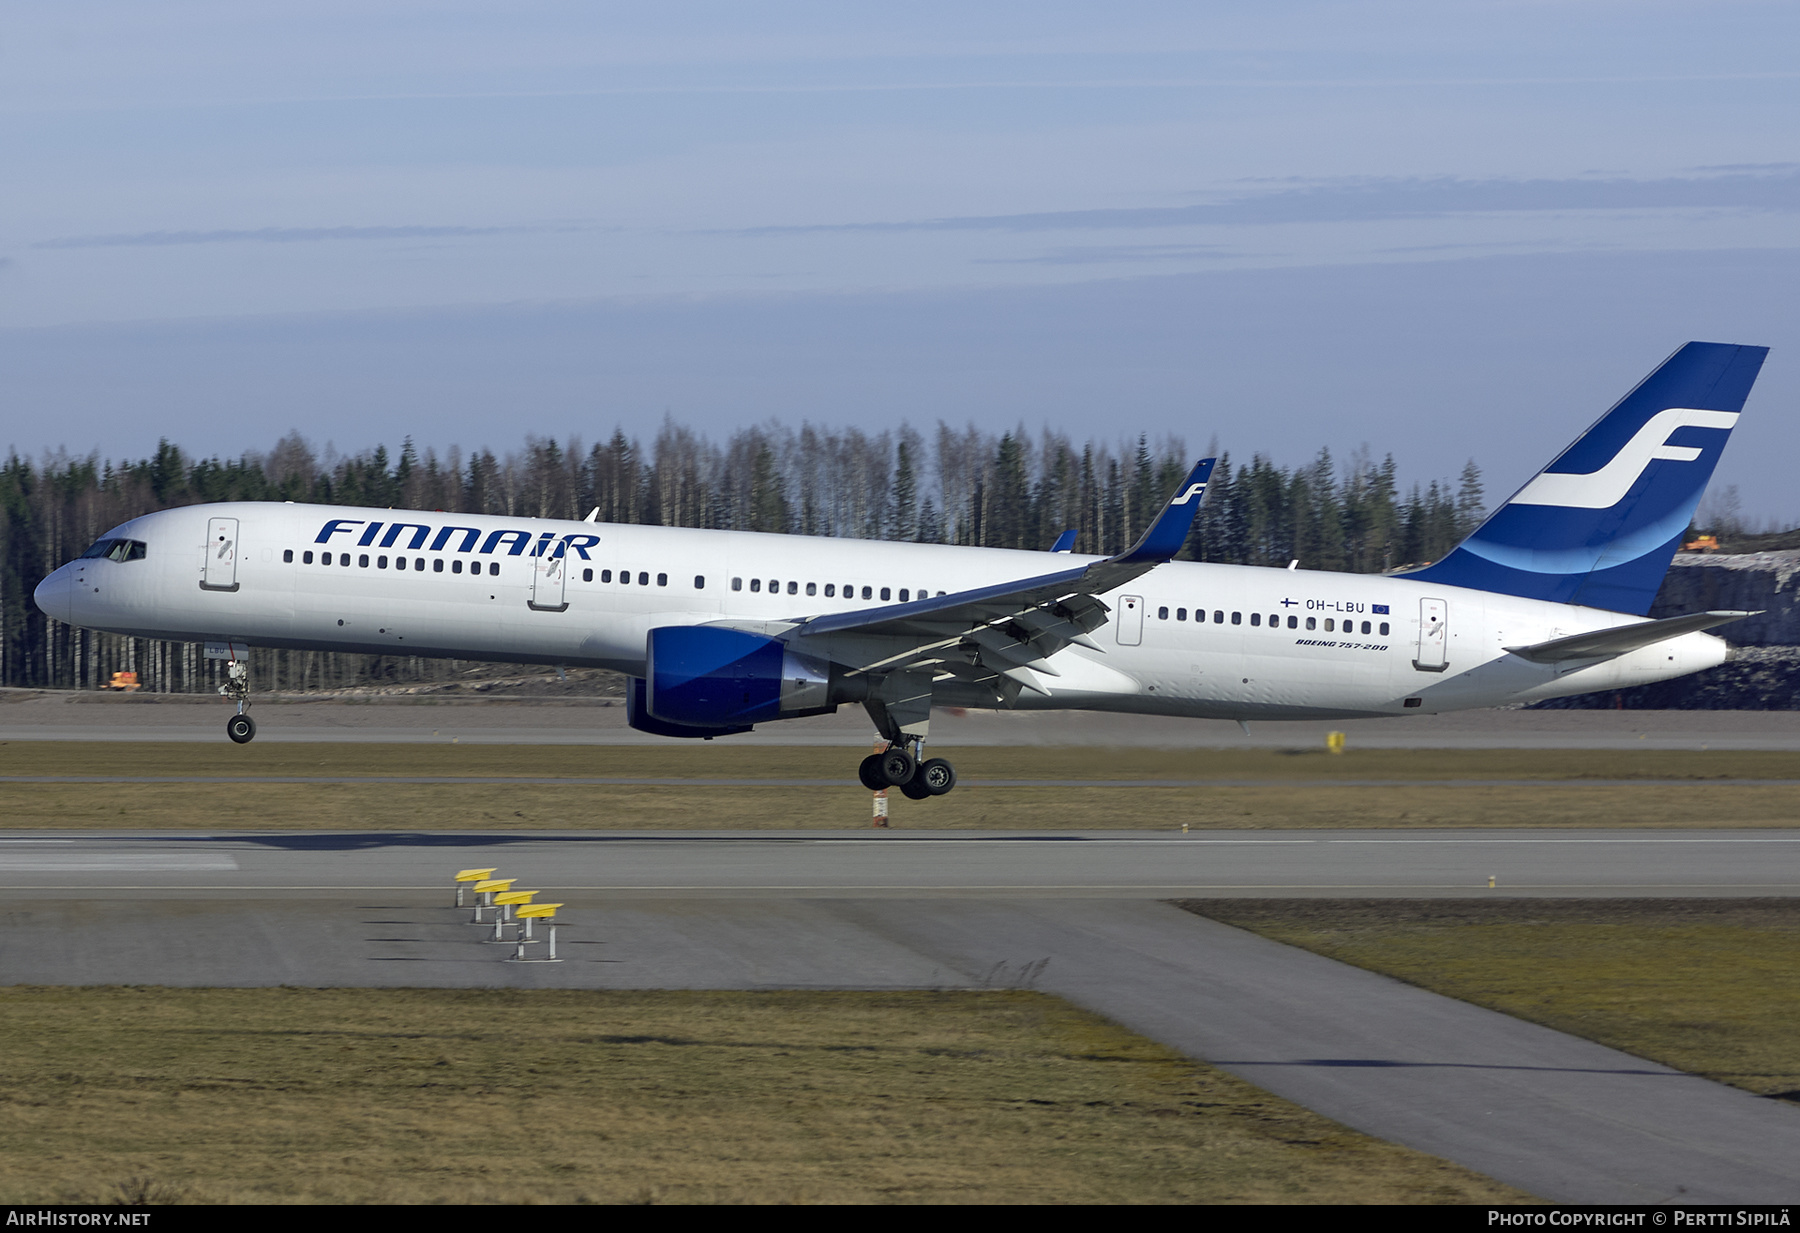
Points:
(708, 677)
(638, 715)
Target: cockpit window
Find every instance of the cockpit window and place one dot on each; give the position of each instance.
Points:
(116, 550)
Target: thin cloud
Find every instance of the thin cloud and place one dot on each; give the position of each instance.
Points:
(283, 235)
(1109, 254)
(1382, 199)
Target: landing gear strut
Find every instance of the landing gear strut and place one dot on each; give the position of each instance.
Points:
(240, 727)
(900, 767)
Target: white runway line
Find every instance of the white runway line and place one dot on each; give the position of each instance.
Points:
(116, 862)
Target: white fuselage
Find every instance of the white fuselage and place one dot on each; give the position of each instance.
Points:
(1273, 643)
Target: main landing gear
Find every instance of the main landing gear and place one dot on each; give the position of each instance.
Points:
(899, 767)
(240, 727)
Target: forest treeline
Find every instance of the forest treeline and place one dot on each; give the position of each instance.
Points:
(961, 486)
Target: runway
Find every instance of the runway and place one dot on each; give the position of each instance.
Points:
(760, 864)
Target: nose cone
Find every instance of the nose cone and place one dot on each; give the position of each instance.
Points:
(55, 595)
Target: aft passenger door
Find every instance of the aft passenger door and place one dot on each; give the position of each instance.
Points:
(218, 570)
(1434, 635)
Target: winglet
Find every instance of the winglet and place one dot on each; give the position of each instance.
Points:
(1064, 542)
(1170, 530)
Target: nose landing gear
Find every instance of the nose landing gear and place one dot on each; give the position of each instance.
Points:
(240, 727)
(899, 767)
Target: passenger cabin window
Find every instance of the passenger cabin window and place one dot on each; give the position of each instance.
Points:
(830, 589)
(756, 584)
(1181, 614)
(363, 561)
(793, 588)
(1293, 622)
(699, 582)
(1329, 626)
(1237, 618)
(1162, 614)
(868, 592)
(1312, 622)
(886, 594)
(737, 584)
(1384, 629)
(1256, 618)
(662, 580)
(494, 568)
(587, 575)
(812, 588)
(456, 567)
(903, 594)
(437, 566)
(306, 558)
(287, 555)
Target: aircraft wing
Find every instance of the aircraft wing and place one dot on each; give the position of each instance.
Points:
(1002, 628)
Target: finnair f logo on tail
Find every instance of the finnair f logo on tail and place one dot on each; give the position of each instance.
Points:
(1606, 487)
(1193, 490)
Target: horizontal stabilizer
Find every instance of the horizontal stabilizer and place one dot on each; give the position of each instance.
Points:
(1604, 643)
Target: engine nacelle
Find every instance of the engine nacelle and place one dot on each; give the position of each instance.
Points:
(703, 676)
(638, 715)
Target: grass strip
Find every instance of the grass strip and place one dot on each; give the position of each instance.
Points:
(721, 760)
(418, 1095)
(1707, 986)
(1304, 790)
(701, 806)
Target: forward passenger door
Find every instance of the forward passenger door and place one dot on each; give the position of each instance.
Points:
(218, 570)
(550, 580)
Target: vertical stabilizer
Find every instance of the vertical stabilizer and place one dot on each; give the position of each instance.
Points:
(1599, 525)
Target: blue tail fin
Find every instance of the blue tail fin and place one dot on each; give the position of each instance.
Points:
(1599, 525)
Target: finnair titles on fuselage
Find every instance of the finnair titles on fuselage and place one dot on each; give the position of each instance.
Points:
(720, 630)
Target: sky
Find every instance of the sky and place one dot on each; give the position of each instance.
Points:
(1440, 231)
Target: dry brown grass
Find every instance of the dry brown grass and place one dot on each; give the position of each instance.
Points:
(408, 1096)
(1705, 986)
(409, 807)
(712, 760)
(1287, 790)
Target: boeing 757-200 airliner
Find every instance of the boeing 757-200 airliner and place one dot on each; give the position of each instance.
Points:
(721, 630)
